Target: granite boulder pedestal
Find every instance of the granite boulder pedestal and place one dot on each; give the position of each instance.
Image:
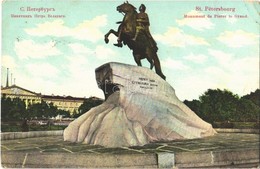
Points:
(140, 108)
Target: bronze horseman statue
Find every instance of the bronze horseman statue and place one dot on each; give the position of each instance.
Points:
(133, 31)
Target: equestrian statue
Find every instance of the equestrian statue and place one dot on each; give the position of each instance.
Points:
(133, 31)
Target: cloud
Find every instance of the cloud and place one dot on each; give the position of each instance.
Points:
(81, 77)
(214, 70)
(240, 75)
(26, 49)
(199, 24)
(80, 67)
(37, 84)
(199, 58)
(102, 52)
(245, 75)
(82, 81)
(223, 58)
(218, 76)
(87, 30)
(176, 37)
(246, 64)
(76, 66)
(8, 62)
(79, 48)
(238, 38)
(174, 64)
(193, 85)
(42, 70)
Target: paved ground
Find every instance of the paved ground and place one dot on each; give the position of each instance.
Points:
(182, 150)
(56, 144)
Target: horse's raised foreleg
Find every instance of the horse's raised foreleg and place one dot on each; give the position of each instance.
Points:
(108, 33)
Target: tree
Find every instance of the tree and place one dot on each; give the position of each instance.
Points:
(195, 105)
(63, 113)
(87, 105)
(218, 105)
(223, 105)
(35, 110)
(15, 108)
(254, 97)
(6, 105)
(247, 110)
(50, 110)
(42, 110)
(20, 109)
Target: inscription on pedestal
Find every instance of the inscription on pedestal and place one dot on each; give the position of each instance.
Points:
(145, 83)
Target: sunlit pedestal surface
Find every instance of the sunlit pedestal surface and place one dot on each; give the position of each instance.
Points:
(140, 108)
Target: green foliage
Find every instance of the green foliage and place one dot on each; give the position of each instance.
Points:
(6, 104)
(39, 110)
(87, 105)
(248, 110)
(254, 97)
(63, 113)
(52, 110)
(194, 105)
(223, 105)
(13, 109)
(45, 110)
(219, 105)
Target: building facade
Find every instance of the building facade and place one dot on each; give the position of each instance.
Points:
(27, 96)
(67, 103)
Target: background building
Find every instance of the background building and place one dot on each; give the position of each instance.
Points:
(67, 103)
(27, 96)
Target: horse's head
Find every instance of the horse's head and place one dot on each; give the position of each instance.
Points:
(125, 8)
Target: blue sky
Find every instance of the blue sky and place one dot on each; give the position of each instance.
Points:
(59, 55)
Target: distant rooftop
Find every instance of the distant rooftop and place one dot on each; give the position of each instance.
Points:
(51, 96)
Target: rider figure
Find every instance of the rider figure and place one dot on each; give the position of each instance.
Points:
(142, 22)
(142, 26)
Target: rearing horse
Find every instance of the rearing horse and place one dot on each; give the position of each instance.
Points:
(142, 48)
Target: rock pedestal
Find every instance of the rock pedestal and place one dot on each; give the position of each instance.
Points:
(140, 108)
